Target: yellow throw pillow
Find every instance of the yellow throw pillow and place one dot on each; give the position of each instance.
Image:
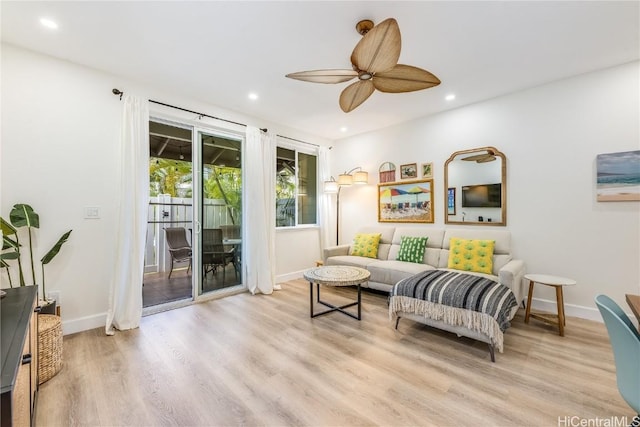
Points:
(366, 245)
(471, 255)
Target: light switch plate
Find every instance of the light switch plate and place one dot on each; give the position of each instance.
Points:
(92, 212)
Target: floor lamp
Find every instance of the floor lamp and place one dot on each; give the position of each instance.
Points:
(354, 176)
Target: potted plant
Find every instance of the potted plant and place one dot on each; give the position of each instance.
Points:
(23, 215)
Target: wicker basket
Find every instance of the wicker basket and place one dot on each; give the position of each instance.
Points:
(49, 346)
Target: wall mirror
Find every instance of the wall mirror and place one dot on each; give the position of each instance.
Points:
(475, 187)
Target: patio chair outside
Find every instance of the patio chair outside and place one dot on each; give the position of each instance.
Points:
(179, 247)
(214, 254)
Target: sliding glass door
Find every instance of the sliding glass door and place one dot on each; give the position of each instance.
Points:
(220, 220)
(194, 226)
(168, 276)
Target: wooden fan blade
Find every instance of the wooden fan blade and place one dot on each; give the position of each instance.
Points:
(379, 49)
(324, 76)
(355, 94)
(404, 78)
(487, 159)
(477, 157)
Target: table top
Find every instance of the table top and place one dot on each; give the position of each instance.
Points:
(547, 279)
(337, 275)
(634, 303)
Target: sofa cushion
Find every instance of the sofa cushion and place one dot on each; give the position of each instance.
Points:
(501, 237)
(365, 245)
(434, 242)
(499, 261)
(412, 249)
(471, 255)
(386, 236)
(393, 271)
(354, 261)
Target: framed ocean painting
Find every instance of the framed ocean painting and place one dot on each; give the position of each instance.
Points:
(618, 176)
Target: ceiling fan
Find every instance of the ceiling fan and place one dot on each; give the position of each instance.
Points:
(375, 64)
(487, 157)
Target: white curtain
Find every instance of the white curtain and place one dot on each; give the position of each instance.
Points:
(260, 210)
(325, 207)
(125, 295)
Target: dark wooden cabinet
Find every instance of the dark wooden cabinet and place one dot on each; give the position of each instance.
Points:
(19, 350)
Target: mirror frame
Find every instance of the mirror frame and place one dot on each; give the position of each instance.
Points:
(503, 209)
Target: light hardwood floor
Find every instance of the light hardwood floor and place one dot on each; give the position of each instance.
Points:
(260, 360)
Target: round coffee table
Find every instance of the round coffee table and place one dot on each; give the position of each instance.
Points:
(335, 275)
(556, 282)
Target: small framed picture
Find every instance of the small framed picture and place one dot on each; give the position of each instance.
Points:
(409, 171)
(451, 201)
(427, 170)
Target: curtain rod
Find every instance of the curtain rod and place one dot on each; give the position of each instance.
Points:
(297, 140)
(119, 92)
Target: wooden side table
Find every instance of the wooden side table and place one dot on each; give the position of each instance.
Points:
(556, 282)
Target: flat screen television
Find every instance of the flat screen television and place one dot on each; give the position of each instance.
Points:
(482, 196)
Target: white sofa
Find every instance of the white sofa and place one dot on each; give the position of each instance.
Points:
(386, 270)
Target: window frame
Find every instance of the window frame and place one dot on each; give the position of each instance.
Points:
(312, 151)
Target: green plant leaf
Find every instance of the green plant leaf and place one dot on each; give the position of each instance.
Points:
(9, 255)
(56, 248)
(7, 229)
(8, 242)
(23, 215)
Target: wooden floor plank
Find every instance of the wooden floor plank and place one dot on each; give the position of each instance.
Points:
(261, 361)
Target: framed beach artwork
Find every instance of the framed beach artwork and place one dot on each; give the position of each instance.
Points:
(427, 170)
(409, 171)
(618, 176)
(406, 201)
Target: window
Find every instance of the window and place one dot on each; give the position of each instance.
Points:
(296, 187)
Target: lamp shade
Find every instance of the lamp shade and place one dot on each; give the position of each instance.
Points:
(345, 179)
(361, 177)
(330, 186)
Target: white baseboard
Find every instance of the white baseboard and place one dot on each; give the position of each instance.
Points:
(84, 323)
(570, 310)
(589, 313)
(290, 276)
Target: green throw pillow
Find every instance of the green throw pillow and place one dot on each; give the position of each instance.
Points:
(412, 249)
(366, 245)
(471, 255)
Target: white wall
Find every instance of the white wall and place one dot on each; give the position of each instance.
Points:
(551, 136)
(60, 129)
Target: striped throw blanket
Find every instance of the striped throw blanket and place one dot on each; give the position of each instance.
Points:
(457, 298)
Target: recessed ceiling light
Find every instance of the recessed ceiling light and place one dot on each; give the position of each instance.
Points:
(49, 23)
(344, 129)
(450, 97)
(253, 96)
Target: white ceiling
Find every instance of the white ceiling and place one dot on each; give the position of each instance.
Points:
(218, 51)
